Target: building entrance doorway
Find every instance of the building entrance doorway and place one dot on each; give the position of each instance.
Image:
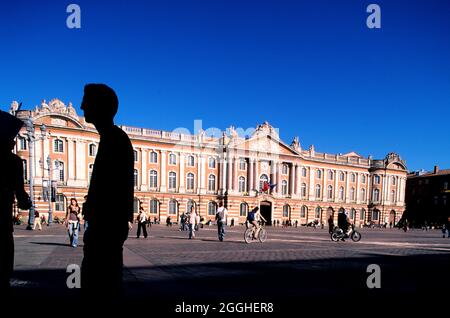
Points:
(265, 208)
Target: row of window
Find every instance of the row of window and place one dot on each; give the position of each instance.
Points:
(173, 208)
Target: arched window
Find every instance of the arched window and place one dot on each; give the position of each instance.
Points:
(318, 213)
(172, 159)
(172, 180)
(303, 190)
(318, 191)
(341, 176)
(173, 207)
(341, 193)
(212, 182)
(190, 161)
(393, 198)
(58, 145)
(362, 215)
(352, 194)
(284, 187)
(319, 174)
(376, 195)
(243, 209)
(154, 206)
(394, 181)
(59, 165)
(286, 211)
(352, 214)
(352, 177)
(153, 179)
(211, 163)
(241, 184)
(330, 192)
(263, 179)
(92, 150)
(190, 181)
(303, 211)
(136, 177)
(363, 195)
(363, 178)
(190, 203)
(136, 157)
(153, 157)
(330, 175)
(284, 169)
(304, 172)
(375, 215)
(376, 179)
(212, 208)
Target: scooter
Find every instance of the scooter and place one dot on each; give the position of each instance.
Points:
(338, 234)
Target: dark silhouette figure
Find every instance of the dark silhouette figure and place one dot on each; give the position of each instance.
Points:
(109, 205)
(330, 224)
(11, 186)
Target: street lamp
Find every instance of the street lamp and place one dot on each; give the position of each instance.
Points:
(50, 170)
(31, 138)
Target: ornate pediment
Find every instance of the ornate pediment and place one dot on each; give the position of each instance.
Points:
(56, 106)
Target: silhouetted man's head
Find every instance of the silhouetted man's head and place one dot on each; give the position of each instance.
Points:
(99, 104)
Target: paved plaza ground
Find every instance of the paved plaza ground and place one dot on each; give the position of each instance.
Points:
(295, 266)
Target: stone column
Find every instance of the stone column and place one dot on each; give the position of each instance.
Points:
(163, 155)
(81, 168)
(199, 174)
(38, 151)
(296, 181)
(144, 172)
(277, 172)
(230, 175)
(312, 186)
(357, 188)
(292, 180)
(347, 186)
(250, 175)
(182, 176)
(324, 186)
(71, 161)
(237, 162)
(336, 186)
(256, 175)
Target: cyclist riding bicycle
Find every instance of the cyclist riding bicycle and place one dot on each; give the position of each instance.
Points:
(344, 224)
(253, 218)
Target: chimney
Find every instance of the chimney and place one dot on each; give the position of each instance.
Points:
(436, 169)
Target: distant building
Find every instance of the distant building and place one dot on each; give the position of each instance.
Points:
(174, 171)
(428, 196)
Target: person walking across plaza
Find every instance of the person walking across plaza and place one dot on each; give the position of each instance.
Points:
(221, 218)
(192, 217)
(73, 214)
(330, 224)
(142, 221)
(37, 220)
(109, 205)
(11, 186)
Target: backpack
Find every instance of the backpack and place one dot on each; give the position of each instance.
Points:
(220, 215)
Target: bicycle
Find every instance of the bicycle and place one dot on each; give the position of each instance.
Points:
(249, 234)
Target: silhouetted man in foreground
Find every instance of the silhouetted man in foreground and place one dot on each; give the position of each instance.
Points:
(11, 185)
(109, 205)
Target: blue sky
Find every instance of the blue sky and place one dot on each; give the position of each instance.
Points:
(311, 68)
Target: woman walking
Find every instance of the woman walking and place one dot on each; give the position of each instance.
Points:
(72, 221)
